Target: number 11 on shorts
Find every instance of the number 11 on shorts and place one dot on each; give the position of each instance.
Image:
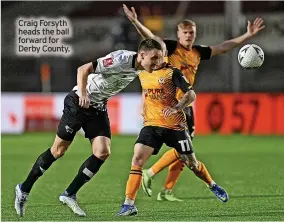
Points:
(184, 145)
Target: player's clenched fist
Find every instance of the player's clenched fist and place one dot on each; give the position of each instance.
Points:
(169, 111)
(84, 101)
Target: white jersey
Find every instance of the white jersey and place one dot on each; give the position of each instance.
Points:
(112, 74)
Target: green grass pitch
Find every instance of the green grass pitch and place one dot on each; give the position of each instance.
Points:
(251, 169)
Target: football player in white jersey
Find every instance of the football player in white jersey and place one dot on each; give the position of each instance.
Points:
(85, 106)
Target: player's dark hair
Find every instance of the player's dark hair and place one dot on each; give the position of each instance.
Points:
(149, 44)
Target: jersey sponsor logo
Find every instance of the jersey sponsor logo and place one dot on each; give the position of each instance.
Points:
(107, 62)
(155, 94)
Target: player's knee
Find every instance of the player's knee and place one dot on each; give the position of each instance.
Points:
(58, 150)
(103, 155)
(137, 160)
(59, 147)
(193, 165)
(101, 147)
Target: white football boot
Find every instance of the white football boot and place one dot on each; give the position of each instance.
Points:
(71, 202)
(20, 200)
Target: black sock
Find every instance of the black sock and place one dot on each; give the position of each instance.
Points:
(42, 163)
(88, 169)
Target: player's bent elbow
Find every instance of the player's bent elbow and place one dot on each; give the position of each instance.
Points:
(80, 69)
(86, 68)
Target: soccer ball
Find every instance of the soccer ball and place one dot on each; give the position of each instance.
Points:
(251, 56)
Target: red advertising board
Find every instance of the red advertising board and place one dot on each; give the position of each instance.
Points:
(246, 113)
(39, 113)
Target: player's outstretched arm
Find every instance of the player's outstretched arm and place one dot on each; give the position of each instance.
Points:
(252, 30)
(142, 30)
(82, 77)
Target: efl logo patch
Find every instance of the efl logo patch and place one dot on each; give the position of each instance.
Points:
(107, 62)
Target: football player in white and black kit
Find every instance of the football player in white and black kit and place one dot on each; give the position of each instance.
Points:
(85, 106)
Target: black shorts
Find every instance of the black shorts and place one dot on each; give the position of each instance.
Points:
(155, 136)
(94, 122)
(189, 114)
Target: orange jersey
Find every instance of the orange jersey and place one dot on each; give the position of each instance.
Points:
(186, 60)
(159, 91)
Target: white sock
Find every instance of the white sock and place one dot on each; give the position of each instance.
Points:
(165, 189)
(128, 201)
(150, 173)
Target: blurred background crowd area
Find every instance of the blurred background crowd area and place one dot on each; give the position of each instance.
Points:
(101, 27)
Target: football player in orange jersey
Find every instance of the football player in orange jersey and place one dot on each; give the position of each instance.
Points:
(185, 56)
(164, 122)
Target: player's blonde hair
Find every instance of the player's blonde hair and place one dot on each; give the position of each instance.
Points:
(185, 23)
